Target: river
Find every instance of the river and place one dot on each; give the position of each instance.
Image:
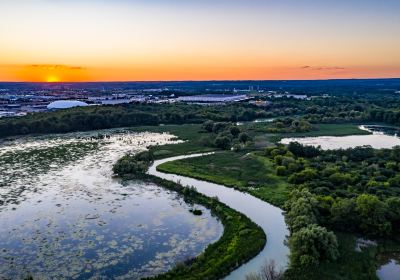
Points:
(267, 216)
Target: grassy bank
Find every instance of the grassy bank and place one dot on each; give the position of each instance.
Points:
(250, 173)
(241, 241)
(323, 130)
(195, 141)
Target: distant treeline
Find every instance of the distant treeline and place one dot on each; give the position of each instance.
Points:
(378, 108)
(386, 116)
(102, 117)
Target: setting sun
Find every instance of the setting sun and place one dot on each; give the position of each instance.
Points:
(52, 79)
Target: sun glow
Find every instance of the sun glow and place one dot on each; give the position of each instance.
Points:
(52, 79)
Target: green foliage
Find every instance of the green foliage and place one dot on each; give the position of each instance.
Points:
(281, 170)
(372, 213)
(356, 188)
(300, 210)
(250, 173)
(289, 125)
(223, 142)
(101, 117)
(208, 126)
(312, 245)
(133, 165)
(235, 131)
(303, 176)
(241, 240)
(244, 137)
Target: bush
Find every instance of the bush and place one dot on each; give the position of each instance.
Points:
(223, 142)
(244, 137)
(281, 170)
(133, 165)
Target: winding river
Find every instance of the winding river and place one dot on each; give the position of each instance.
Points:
(267, 216)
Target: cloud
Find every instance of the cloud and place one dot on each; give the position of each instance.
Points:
(55, 67)
(323, 68)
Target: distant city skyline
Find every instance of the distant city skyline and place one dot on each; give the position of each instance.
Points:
(154, 40)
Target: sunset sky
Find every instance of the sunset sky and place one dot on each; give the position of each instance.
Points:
(99, 40)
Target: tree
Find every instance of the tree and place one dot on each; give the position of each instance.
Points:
(208, 126)
(268, 272)
(312, 245)
(394, 212)
(303, 176)
(244, 137)
(281, 170)
(373, 215)
(235, 131)
(344, 215)
(223, 142)
(300, 210)
(219, 126)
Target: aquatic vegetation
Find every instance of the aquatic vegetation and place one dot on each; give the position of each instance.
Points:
(133, 164)
(65, 216)
(229, 252)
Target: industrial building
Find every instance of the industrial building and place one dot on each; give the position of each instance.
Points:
(65, 104)
(213, 98)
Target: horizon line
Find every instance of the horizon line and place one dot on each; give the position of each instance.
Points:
(211, 80)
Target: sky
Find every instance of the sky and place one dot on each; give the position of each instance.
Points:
(145, 40)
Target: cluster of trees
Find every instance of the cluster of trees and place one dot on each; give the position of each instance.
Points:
(320, 110)
(102, 117)
(357, 189)
(391, 116)
(133, 165)
(226, 135)
(288, 125)
(310, 244)
(338, 109)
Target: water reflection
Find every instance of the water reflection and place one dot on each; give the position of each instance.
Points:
(381, 138)
(64, 216)
(389, 271)
(267, 216)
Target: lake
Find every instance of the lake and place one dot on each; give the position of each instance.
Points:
(389, 271)
(63, 215)
(381, 137)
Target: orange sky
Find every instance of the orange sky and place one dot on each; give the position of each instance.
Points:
(197, 40)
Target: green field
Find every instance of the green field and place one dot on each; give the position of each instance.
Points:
(195, 140)
(246, 172)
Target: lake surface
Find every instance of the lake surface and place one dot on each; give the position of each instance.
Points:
(63, 216)
(381, 137)
(266, 120)
(267, 216)
(389, 271)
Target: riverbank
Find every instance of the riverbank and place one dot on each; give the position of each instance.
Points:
(267, 216)
(247, 172)
(241, 241)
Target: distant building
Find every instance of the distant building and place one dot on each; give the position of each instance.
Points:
(115, 101)
(7, 114)
(213, 98)
(260, 103)
(65, 104)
